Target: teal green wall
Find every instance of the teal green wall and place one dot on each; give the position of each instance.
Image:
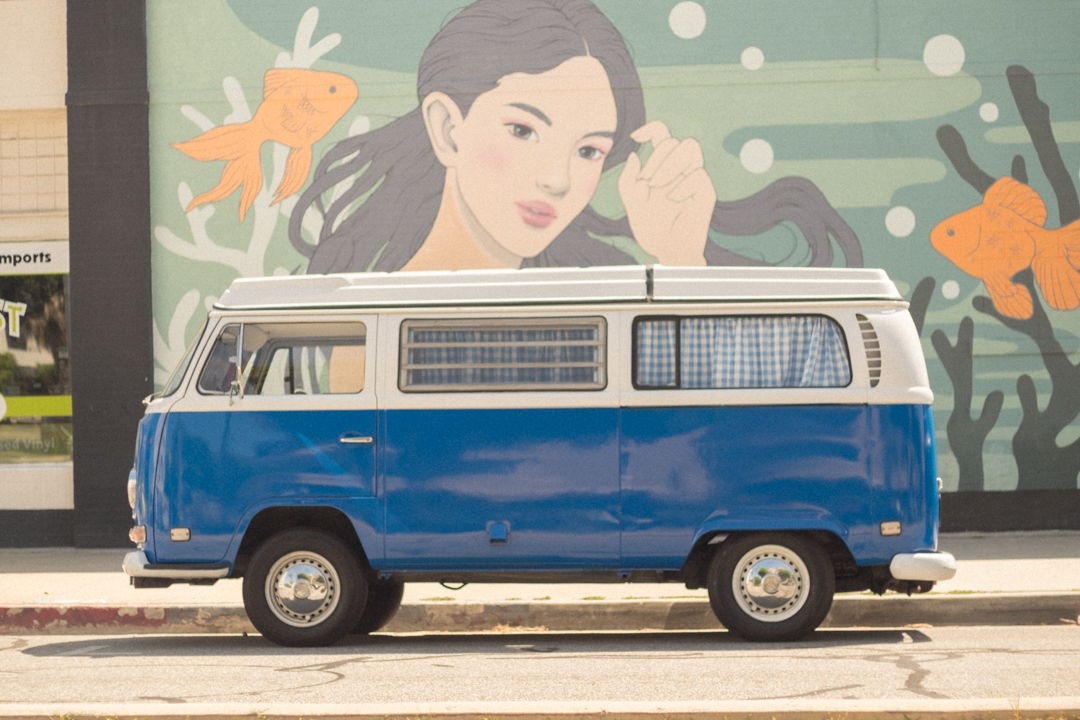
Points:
(844, 98)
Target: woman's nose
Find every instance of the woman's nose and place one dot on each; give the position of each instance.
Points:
(555, 180)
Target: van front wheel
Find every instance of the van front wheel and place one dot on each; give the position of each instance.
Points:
(304, 588)
(771, 586)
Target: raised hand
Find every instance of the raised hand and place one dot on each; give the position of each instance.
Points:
(669, 202)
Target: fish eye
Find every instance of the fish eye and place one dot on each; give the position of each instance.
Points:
(333, 89)
(950, 232)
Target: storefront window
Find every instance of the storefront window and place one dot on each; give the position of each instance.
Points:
(35, 377)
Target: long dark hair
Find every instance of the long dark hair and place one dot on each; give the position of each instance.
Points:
(396, 168)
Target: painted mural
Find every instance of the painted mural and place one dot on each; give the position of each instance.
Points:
(937, 142)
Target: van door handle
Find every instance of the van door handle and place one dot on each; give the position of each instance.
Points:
(350, 439)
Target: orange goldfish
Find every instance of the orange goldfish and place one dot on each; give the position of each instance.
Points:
(1004, 235)
(298, 108)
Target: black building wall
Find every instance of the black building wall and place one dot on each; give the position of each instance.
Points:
(110, 320)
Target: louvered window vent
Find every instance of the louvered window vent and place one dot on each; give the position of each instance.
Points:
(873, 349)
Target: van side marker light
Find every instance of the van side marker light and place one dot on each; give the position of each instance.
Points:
(180, 534)
(137, 534)
(890, 528)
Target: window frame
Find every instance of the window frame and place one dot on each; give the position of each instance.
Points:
(597, 322)
(272, 346)
(678, 350)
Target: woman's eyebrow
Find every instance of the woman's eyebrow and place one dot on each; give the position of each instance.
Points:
(533, 111)
(603, 134)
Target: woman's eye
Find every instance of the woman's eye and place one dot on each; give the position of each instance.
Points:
(523, 131)
(591, 153)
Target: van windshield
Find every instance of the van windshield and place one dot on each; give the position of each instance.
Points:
(173, 383)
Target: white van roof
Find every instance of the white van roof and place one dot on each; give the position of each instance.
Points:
(637, 283)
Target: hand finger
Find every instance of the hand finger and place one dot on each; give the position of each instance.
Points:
(629, 176)
(682, 160)
(697, 183)
(652, 132)
(660, 153)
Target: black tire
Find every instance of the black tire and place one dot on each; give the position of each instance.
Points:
(792, 593)
(304, 588)
(383, 602)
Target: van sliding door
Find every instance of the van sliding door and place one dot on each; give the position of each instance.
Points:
(501, 446)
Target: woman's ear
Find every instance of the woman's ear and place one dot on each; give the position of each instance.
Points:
(441, 118)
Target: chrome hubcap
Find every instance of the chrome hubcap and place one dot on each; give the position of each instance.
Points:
(302, 589)
(770, 583)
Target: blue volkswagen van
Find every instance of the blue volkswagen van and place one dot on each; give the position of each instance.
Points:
(761, 432)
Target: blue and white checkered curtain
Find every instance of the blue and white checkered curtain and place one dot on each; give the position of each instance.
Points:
(744, 352)
(656, 353)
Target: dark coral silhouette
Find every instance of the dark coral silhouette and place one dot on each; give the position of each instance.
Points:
(1041, 463)
(966, 434)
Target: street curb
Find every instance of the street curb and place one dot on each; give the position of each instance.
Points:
(786, 709)
(847, 611)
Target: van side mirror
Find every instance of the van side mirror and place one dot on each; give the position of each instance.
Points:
(236, 389)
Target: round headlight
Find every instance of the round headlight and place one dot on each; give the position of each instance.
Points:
(131, 487)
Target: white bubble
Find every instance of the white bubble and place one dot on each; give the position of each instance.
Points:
(988, 112)
(687, 20)
(900, 221)
(360, 125)
(756, 156)
(752, 58)
(943, 55)
(950, 289)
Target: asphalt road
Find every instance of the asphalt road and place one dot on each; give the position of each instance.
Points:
(914, 663)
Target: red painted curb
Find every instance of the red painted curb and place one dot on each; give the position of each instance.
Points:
(37, 618)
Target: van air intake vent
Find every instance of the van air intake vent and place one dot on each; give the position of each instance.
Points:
(873, 349)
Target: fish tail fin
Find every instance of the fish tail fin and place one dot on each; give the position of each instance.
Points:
(1056, 276)
(226, 142)
(244, 171)
(296, 173)
(1070, 240)
(237, 144)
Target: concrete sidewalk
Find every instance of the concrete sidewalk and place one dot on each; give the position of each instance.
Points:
(1002, 578)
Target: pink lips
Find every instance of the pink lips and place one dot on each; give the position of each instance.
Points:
(537, 213)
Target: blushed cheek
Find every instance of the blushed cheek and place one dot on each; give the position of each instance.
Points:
(494, 160)
(589, 181)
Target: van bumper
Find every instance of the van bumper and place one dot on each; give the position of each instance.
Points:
(137, 565)
(934, 566)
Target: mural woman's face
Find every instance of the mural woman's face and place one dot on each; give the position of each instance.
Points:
(530, 152)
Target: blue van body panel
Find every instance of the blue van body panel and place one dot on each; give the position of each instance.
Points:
(907, 489)
(586, 488)
(215, 468)
(550, 476)
(365, 514)
(689, 471)
(146, 446)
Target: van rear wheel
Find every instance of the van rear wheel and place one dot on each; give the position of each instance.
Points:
(771, 586)
(304, 588)
(383, 602)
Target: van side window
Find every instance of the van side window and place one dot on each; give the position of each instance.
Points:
(516, 354)
(289, 359)
(751, 351)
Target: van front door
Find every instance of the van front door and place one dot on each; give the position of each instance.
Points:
(290, 421)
